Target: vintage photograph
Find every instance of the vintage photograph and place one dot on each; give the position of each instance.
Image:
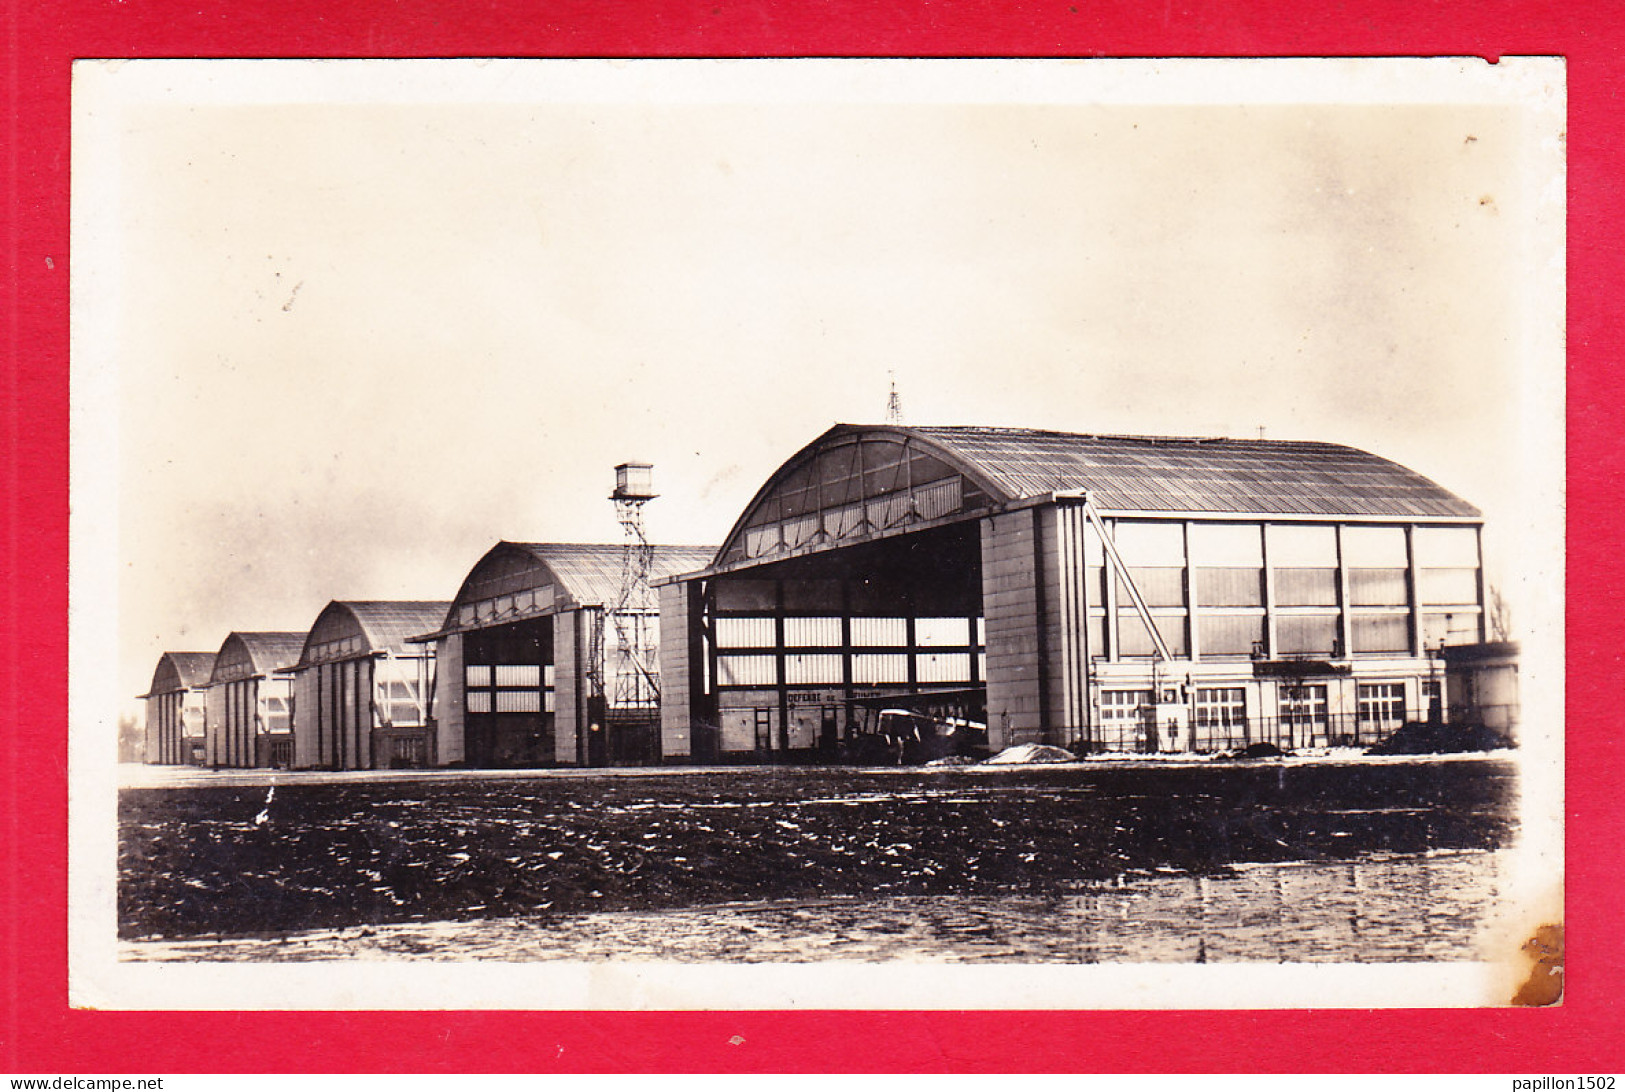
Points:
(907, 533)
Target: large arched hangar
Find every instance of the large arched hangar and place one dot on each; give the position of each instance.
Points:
(1094, 592)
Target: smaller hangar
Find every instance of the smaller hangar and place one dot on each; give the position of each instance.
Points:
(361, 691)
(250, 700)
(176, 708)
(531, 667)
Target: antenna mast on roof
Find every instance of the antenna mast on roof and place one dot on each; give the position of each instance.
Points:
(894, 404)
(636, 687)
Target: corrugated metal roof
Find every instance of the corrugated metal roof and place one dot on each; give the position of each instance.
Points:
(181, 671)
(1174, 474)
(387, 624)
(590, 573)
(267, 651)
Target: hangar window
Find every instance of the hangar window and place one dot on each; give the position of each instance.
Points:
(812, 632)
(745, 633)
(1378, 587)
(1230, 635)
(747, 671)
(1230, 587)
(1448, 587)
(1158, 587)
(1124, 718)
(876, 668)
(942, 667)
(880, 632)
(810, 669)
(1306, 635)
(1381, 707)
(1135, 640)
(935, 632)
(1381, 633)
(1306, 587)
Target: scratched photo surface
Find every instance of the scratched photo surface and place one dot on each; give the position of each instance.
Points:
(1106, 520)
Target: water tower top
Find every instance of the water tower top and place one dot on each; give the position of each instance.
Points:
(634, 482)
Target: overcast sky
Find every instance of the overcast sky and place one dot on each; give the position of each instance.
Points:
(354, 344)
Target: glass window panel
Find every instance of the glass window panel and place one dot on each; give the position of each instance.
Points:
(761, 540)
(1306, 587)
(1158, 587)
(1230, 634)
(1136, 641)
(1311, 635)
(1377, 587)
(844, 521)
(932, 632)
(1230, 587)
(1302, 546)
(519, 701)
(478, 674)
(1460, 628)
(940, 499)
(812, 669)
(1227, 545)
(547, 701)
(745, 633)
(889, 511)
(1221, 707)
(405, 714)
(519, 675)
(1446, 547)
(800, 531)
(880, 631)
(813, 632)
(942, 667)
(547, 675)
(1448, 587)
(479, 701)
(872, 668)
(1374, 548)
(746, 671)
(1150, 544)
(1381, 633)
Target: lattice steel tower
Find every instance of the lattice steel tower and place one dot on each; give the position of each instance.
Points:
(636, 685)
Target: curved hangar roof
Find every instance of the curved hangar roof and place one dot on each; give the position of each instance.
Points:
(865, 481)
(177, 671)
(516, 580)
(348, 630)
(250, 655)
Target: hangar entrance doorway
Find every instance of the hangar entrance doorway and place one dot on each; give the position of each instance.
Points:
(508, 693)
(816, 658)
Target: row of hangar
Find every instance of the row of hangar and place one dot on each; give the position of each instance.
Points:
(1099, 593)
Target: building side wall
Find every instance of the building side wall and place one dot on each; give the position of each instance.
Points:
(450, 702)
(305, 719)
(568, 688)
(676, 626)
(1015, 640)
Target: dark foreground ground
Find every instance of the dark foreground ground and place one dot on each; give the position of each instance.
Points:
(217, 861)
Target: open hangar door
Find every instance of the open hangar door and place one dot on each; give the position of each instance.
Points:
(803, 656)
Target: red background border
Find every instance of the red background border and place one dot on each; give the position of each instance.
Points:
(39, 1033)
